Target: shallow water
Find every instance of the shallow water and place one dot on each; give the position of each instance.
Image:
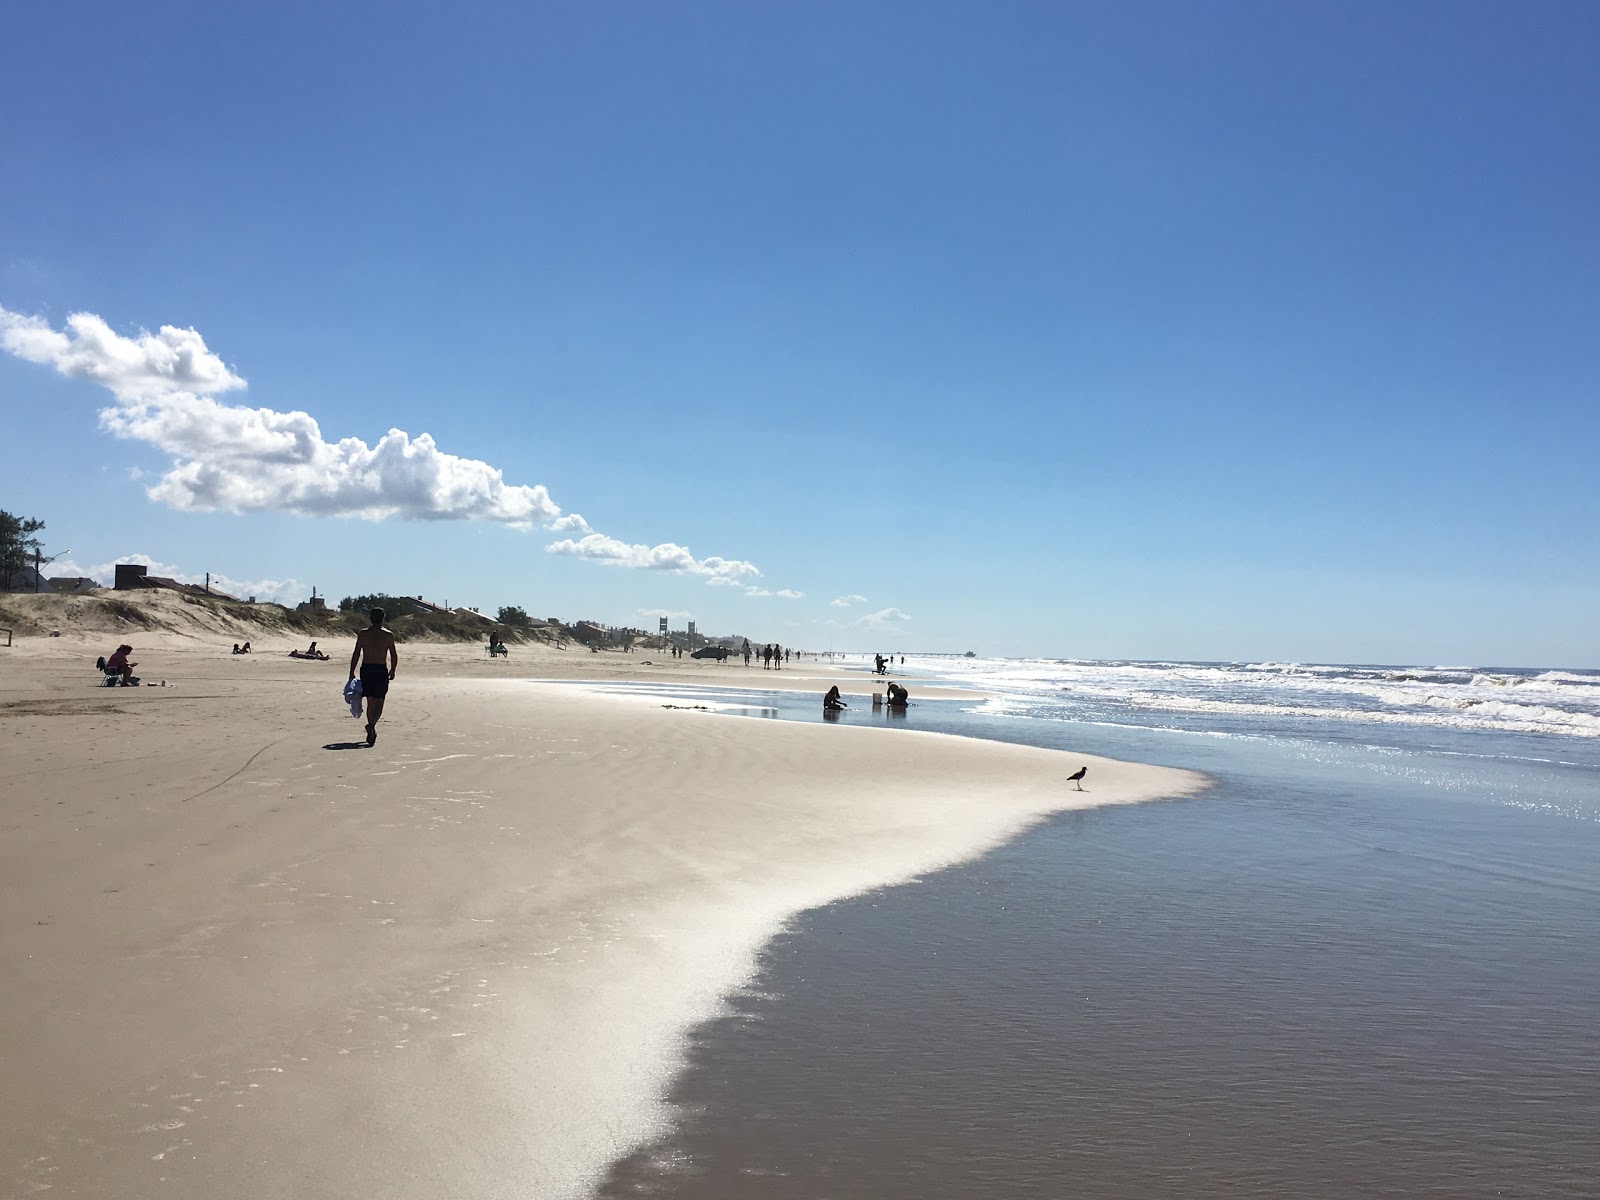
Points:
(1358, 966)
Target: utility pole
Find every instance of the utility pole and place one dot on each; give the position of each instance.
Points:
(38, 565)
(208, 583)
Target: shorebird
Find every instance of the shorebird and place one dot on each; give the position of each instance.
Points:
(1077, 777)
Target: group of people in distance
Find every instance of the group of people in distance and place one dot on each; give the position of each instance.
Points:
(497, 647)
(898, 697)
(375, 655)
(772, 657)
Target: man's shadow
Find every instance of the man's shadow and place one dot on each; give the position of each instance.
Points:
(345, 746)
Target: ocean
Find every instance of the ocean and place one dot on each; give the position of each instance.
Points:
(1365, 963)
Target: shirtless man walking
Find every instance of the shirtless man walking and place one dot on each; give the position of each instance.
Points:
(378, 658)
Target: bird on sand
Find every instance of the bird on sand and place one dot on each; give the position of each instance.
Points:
(1077, 777)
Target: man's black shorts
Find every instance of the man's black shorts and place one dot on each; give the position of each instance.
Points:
(375, 681)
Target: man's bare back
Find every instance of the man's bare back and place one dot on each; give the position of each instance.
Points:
(378, 659)
(375, 647)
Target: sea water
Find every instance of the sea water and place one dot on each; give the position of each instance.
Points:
(1366, 962)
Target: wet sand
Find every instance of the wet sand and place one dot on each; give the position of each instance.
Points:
(246, 956)
(1292, 987)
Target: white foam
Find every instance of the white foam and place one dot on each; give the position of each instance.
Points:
(1561, 703)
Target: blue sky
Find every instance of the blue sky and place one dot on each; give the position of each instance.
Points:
(1133, 330)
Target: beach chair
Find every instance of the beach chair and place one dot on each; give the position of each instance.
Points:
(108, 677)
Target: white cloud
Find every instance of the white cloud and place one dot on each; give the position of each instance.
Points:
(884, 618)
(847, 601)
(668, 556)
(174, 360)
(789, 594)
(241, 459)
(281, 591)
(258, 460)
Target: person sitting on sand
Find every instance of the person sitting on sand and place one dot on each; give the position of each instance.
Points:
(313, 652)
(833, 702)
(118, 664)
(246, 649)
(898, 696)
(236, 649)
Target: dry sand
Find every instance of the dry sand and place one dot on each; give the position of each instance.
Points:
(238, 959)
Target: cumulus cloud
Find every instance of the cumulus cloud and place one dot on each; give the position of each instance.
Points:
(668, 556)
(781, 593)
(174, 360)
(280, 591)
(242, 459)
(884, 618)
(258, 460)
(847, 601)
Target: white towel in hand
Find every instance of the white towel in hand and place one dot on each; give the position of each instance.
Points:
(352, 696)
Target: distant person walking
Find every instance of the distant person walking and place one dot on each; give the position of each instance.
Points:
(378, 659)
(777, 657)
(766, 657)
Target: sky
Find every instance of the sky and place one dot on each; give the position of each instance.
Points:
(1231, 331)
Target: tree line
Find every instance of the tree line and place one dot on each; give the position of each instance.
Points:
(20, 550)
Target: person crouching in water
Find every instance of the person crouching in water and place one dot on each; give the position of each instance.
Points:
(898, 696)
(375, 653)
(833, 702)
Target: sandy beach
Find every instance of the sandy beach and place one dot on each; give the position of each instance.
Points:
(244, 956)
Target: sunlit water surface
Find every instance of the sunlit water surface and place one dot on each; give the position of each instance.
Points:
(1365, 963)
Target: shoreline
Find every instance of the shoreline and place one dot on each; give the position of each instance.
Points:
(492, 933)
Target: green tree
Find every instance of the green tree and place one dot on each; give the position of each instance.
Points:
(20, 548)
(512, 615)
(393, 606)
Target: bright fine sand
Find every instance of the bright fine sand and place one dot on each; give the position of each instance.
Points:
(243, 957)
